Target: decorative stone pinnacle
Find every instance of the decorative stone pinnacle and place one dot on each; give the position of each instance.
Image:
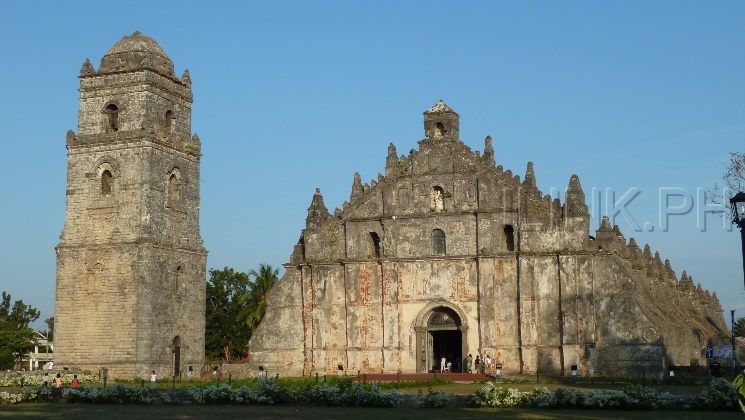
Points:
(87, 68)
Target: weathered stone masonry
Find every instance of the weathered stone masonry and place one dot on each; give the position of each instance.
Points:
(131, 264)
(448, 254)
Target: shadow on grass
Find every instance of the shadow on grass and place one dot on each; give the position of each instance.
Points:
(188, 412)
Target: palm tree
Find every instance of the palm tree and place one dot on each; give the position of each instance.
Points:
(255, 298)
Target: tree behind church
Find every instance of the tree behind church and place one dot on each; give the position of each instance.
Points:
(236, 303)
(255, 300)
(226, 335)
(16, 337)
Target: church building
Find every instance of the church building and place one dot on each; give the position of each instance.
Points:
(449, 254)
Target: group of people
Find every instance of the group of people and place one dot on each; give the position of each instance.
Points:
(480, 365)
(75, 383)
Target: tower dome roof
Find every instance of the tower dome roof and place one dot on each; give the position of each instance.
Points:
(136, 51)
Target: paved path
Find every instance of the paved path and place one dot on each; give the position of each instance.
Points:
(457, 377)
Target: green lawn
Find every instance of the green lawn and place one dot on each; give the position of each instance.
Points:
(188, 412)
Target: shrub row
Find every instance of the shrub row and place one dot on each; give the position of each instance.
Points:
(271, 392)
(32, 380)
(719, 394)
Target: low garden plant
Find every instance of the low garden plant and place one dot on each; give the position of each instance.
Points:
(718, 395)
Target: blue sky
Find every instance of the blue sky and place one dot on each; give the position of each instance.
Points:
(290, 96)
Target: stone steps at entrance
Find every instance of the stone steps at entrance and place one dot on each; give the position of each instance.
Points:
(458, 377)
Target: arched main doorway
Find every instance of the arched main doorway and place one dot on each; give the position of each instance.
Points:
(441, 333)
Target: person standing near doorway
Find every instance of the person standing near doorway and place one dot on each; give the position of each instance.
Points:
(153, 379)
(469, 363)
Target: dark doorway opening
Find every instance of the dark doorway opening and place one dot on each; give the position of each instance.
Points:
(446, 344)
(176, 356)
(444, 341)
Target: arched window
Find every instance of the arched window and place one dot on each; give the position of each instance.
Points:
(437, 199)
(178, 279)
(173, 191)
(106, 182)
(509, 236)
(373, 246)
(170, 122)
(112, 118)
(438, 242)
(439, 129)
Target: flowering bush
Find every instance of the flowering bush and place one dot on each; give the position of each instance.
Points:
(562, 398)
(26, 395)
(358, 395)
(213, 394)
(325, 395)
(32, 379)
(116, 394)
(248, 395)
(495, 396)
(271, 392)
(433, 399)
(603, 399)
(640, 397)
(718, 394)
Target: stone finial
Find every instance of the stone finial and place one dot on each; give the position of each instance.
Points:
(186, 78)
(647, 252)
(605, 225)
(683, 278)
(529, 177)
(715, 300)
(391, 162)
(489, 151)
(357, 188)
(574, 205)
(318, 214)
(195, 139)
(634, 253)
(670, 273)
(70, 136)
(87, 68)
(658, 266)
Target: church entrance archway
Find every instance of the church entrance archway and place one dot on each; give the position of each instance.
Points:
(441, 334)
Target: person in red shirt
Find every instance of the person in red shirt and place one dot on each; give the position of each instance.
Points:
(75, 383)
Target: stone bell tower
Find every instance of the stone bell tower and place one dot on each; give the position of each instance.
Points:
(131, 264)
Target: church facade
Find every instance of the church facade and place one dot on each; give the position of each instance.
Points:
(131, 263)
(448, 254)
